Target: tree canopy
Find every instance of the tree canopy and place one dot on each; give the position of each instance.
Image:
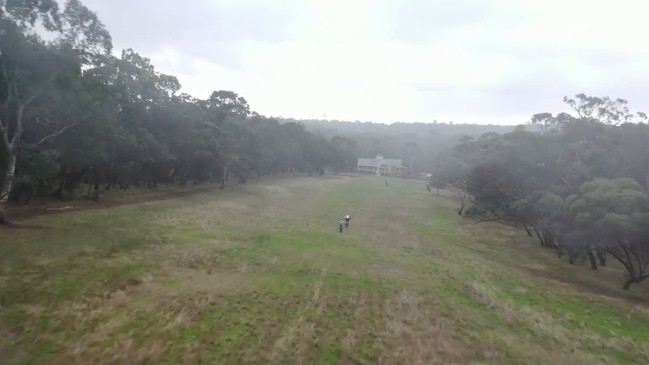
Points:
(578, 182)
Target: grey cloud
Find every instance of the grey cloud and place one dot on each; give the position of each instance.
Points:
(598, 56)
(429, 21)
(540, 74)
(634, 92)
(540, 70)
(533, 89)
(538, 78)
(196, 28)
(418, 20)
(607, 59)
(434, 88)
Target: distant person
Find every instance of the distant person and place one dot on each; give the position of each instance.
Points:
(386, 183)
(341, 224)
(347, 219)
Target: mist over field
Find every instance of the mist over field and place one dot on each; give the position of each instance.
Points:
(323, 183)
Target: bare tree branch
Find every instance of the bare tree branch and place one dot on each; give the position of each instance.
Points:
(18, 131)
(44, 139)
(46, 121)
(117, 136)
(5, 128)
(31, 99)
(478, 220)
(4, 132)
(4, 76)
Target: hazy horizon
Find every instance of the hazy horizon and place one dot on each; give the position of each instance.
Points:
(447, 122)
(464, 61)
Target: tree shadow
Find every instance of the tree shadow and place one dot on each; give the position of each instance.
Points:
(21, 226)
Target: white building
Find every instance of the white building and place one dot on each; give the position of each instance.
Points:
(380, 166)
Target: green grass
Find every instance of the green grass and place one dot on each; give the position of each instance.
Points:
(262, 275)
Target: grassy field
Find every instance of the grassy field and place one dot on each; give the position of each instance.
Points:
(262, 276)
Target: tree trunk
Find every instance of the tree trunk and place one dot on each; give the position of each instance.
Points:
(97, 181)
(627, 285)
(224, 177)
(7, 184)
(539, 236)
(634, 279)
(546, 238)
(601, 254)
(8, 179)
(527, 229)
(462, 197)
(593, 261)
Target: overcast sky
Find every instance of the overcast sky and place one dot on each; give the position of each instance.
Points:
(482, 61)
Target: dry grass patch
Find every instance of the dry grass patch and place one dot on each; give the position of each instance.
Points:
(553, 337)
(137, 335)
(123, 320)
(300, 330)
(482, 294)
(415, 333)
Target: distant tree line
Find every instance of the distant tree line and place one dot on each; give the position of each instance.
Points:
(71, 113)
(417, 144)
(578, 183)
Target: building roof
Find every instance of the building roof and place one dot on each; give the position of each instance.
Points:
(379, 160)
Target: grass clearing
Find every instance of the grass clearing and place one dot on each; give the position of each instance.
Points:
(261, 275)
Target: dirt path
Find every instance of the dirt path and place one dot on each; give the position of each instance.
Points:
(19, 213)
(24, 212)
(583, 287)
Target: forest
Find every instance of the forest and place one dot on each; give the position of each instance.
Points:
(72, 113)
(579, 185)
(417, 144)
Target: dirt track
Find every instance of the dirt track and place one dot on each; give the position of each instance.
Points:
(18, 213)
(574, 283)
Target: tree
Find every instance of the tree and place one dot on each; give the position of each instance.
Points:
(438, 180)
(451, 171)
(603, 109)
(31, 68)
(229, 103)
(546, 121)
(345, 155)
(617, 213)
(579, 185)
